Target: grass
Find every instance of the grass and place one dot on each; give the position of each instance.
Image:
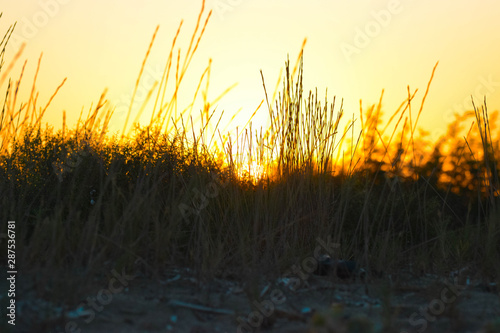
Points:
(167, 195)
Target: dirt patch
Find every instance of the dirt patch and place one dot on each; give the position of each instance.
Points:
(178, 302)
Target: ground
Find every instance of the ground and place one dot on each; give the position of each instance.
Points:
(178, 302)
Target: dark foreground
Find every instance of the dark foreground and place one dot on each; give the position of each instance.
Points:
(179, 301)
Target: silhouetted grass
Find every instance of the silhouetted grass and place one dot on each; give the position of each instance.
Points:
(85, 201)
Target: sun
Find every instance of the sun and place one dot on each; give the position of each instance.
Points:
(253, 171)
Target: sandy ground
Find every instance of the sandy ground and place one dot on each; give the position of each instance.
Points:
(178, 302)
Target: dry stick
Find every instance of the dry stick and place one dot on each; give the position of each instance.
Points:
(225, 92)
(267, 99)
(422, 104)
(48, 103)
(405, 152)
(34, 104)
(496, 185)
(6, 38)
(215, 129)
(362, 122)
(12, 63)
(270, 132)
(205, 72)
(365, 124)
(372, 121)
(218, 98)
(483, 125)
(98, 118)
(204, 93)
(5, 138)
(334, 146)
(64, 127)
(194, 136)
(204, 126)
(91, 119)
(190, 54)
(405, 102)
(408, 101)
(348, 126)
(33, 91)
(253, 114)
(193, 35)
(330, 135)
(493, 174)
(52, 97)
(138, 80)
(4, 106)
(200, 307)
(299, 58)
(144, 103)
(105, 124)
(16, 126)
(107, 118)
(168, 105)
(78, 123)
(165, 75)
(467, 143)
(14, 101)
(425, 95)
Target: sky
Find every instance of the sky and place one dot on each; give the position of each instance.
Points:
(354, 50)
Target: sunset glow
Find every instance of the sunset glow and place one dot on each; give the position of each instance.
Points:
(354, 50)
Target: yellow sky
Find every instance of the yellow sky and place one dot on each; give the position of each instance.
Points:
(354, 48)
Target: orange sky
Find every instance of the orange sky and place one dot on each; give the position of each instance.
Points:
(354, 48)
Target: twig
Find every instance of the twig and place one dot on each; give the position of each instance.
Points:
(200, 307)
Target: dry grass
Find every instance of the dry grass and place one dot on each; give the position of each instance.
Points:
(166, 194)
